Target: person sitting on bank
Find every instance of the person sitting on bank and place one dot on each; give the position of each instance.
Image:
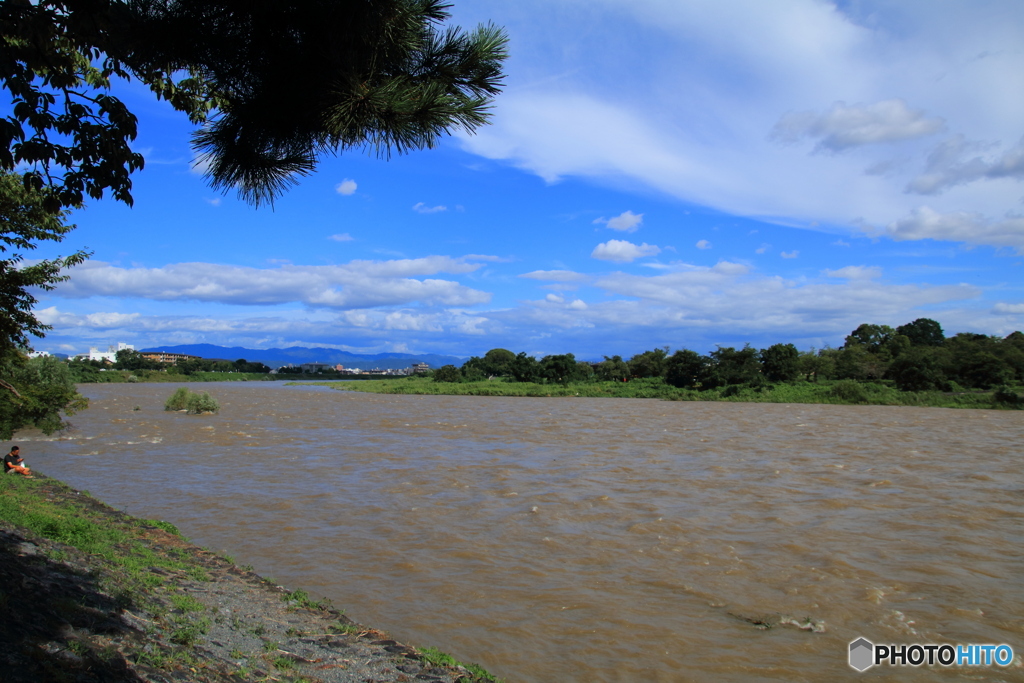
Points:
(13, 463)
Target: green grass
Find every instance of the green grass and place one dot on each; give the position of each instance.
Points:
(186, 603)
(843, 392)
(302, 599)
(166, 526)
(436, 657)
(188, 631)
(77, 526)
(283, 663)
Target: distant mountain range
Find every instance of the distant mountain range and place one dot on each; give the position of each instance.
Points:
(296, 355)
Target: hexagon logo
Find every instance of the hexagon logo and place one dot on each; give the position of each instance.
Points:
(862, 654)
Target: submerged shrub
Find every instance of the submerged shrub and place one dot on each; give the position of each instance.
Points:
(178, 400)
(202, 403)
(192, 403)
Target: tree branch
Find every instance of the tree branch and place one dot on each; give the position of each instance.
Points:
(9, 388)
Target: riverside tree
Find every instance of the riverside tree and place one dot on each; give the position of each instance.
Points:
(32, 392)
(273, 84)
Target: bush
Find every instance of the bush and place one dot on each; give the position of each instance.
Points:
(192, 403)
(178, 400)
(1007, 397)
(202, 403)
(447, 373)
(850, 391)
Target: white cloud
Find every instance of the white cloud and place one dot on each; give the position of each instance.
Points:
(214, 202)
(380, 329)
(762, 249)
(730, 299)
(621, 251)
(626, 221)
(703, 244)
(341, 237)
(357, 284)
(845, 126)
(958, 226)
(1008, 309)
(855, 272)
(420, 207)
(346, 187)
(556, 275)
(555, 299)
(790, 254)
(947, 167)
(52, 316)
(625, 116)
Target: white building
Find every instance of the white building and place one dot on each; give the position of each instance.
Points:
(110, 355)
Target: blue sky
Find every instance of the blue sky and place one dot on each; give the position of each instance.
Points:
(657, 173)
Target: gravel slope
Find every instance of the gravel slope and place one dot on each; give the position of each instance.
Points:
(69, 616)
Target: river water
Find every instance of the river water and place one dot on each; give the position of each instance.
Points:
(569, 539)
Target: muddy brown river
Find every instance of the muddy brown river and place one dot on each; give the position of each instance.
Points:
(569, 539)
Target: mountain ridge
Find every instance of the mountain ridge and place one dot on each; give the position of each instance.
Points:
(297, 355)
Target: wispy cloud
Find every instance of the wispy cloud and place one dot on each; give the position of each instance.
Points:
(959, 226)
(850, 87)
(556, 276)
(341, 237)
(949, 167)
(358, 284)
(626, 221)
(420, 207)
(855, 273)
(846, 126)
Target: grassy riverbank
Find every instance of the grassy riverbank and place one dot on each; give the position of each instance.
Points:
(93, 594)
(844, 392)
(147, 376)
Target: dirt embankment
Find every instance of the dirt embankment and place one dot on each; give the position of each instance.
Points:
(175, 612)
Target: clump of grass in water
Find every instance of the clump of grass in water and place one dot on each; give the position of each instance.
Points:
(193, 403)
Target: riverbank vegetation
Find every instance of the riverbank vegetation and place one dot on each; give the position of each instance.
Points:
(132, 366)
(914, 364)
(842, 392)
(34, 392)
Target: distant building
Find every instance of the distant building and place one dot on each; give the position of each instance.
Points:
(108, 356)
(38, 354)
(315, 367)
(165, 357)
(418, 368)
